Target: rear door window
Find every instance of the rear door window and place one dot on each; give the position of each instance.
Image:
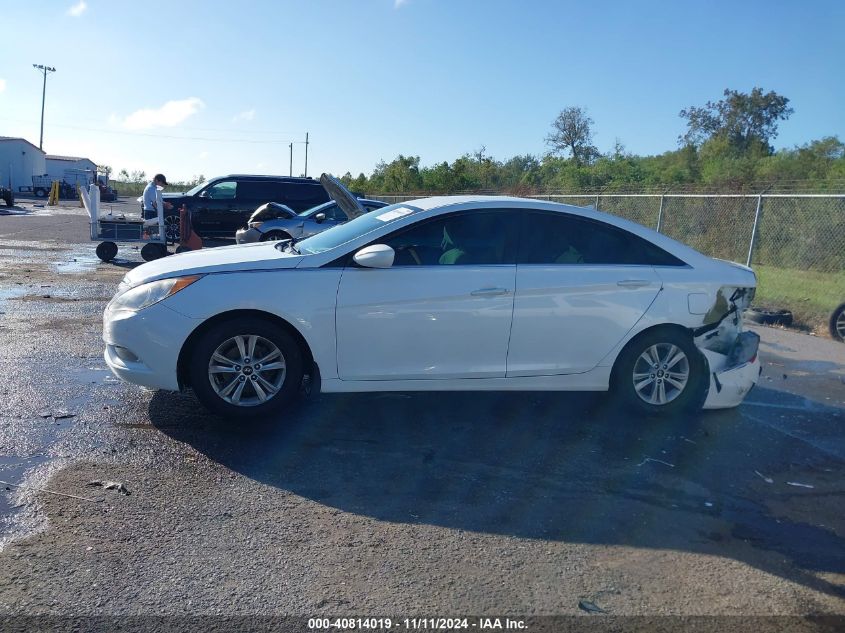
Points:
(258, 190)
(301, 196)
(560, 238)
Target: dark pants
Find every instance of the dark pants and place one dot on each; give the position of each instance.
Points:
(148, 214)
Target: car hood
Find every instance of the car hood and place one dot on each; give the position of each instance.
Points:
(225, 259)
(345, 200)
(272, 211)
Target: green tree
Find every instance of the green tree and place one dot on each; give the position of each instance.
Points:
(743, 120)
(572, 132)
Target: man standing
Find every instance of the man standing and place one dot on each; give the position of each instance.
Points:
(152, 200)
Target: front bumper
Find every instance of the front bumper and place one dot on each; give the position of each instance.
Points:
(247, 236)
(143, 347)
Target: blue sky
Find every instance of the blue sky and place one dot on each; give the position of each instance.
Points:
(220, 87)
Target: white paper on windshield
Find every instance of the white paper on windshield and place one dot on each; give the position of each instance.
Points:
(395, 213)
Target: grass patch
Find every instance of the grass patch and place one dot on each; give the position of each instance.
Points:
(809, 294)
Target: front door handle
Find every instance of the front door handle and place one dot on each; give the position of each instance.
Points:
(633, 283)
(489, 292)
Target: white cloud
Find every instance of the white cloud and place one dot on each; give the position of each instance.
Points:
(78, 9)
(246, 115)
(2, 85)
(399, 3)
(170, 114)
(203, 155)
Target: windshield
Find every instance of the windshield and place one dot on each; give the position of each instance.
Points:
(317, 209)
(195, 190)
(343, 233)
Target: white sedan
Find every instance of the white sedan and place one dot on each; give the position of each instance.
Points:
(447, 293)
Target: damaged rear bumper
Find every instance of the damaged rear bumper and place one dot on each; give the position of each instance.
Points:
(732, 375)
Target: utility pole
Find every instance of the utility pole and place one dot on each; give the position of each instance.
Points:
(44, 70)
(291, 159)
(306, 154)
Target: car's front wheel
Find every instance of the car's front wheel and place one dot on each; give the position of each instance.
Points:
(274, 236)
(661, 373)
(246, 367)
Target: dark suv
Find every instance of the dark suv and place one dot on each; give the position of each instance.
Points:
(222, 205)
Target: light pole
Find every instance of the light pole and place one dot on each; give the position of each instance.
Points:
(44, 70)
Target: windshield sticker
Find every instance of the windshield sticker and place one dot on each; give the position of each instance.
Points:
(395, 213)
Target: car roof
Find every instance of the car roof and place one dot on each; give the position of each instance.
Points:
(307, 180)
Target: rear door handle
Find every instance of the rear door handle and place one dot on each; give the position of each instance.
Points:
(489, 292)
(633, 283)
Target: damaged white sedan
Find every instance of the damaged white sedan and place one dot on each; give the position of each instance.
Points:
(450, 293)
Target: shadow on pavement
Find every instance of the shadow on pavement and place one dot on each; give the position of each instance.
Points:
(562, 467)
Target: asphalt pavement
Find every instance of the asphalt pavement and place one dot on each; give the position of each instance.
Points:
(523, 503)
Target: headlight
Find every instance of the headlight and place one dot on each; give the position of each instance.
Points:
(148, 294)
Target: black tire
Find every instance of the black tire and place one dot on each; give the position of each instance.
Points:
(765, 316)
(688, 399)
(10, 201)
(106, 251)
(219, 335)
(274, 236)
(837, 323)
(153, 251)
(40, 193)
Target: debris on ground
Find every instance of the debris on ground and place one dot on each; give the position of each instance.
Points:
(111, 485)
(768, 480)
(659, 461)
(62, 415)
(798, 485)
(52, 492)
(590, 607)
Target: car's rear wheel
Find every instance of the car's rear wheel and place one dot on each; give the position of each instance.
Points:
(837, 323)
(661, 373)
(246, 368)
(274, 236)
(172, 228)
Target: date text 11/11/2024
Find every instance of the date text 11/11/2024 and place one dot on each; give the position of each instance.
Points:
(416, 624)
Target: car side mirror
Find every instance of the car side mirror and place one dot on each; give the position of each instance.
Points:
(320, 217)
(204, 194)
(375, 256)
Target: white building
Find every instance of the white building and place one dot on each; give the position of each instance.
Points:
(20, 160)
(71, 169)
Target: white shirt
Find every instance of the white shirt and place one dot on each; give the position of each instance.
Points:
(152, 198)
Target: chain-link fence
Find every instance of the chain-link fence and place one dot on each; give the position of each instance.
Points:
(795, 242)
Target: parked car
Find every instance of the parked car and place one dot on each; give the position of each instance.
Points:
(8, 196)
(220, 206)
(477, 293)
(273, 221)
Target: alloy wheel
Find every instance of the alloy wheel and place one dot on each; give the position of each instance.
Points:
(661, 374)
(171, 228)
(247, 370)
